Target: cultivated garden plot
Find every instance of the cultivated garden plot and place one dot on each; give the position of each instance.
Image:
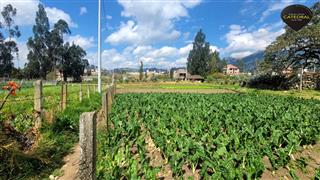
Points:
(219, 136)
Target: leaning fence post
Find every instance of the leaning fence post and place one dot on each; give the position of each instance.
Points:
(64, 94)
(38, 102)
(87, 138)
(80, 93)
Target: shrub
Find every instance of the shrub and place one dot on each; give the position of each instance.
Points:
(220, 78)
(273, 82)
(317, 87)
(154, 79)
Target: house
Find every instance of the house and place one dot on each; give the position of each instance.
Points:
(231, 70)
(180, 74)
(195, 78)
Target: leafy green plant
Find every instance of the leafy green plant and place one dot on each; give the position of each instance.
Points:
(225, 136)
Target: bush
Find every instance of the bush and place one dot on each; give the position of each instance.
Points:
(317, 84)
(273, 82)
(220, 78)
(154, 79)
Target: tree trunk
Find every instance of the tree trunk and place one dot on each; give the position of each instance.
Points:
(301, 79)
(64, 76)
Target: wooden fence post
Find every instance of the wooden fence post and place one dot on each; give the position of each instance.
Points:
(38, 103)
(80, 93)
(113, 91)
(64, 95)
(105, 108)
(88, 91)
(109, 99)
(87, 138)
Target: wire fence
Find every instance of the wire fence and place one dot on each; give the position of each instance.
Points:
(52, 98)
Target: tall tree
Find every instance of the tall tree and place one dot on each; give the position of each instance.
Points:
(215, 64)
(8, 47)
(199, 56)
(38, 46)
(73, 62)
(55, 42)
(171, 73)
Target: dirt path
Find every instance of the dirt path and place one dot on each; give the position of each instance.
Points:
(156, 159)
(303, 163)
(70, 169)
(202, 91)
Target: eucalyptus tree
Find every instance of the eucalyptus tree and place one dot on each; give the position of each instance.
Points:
(8, 47)
(39, 63)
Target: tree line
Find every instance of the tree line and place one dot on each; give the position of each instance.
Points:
(48, 52)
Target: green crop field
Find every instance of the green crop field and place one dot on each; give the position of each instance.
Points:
(221, 136)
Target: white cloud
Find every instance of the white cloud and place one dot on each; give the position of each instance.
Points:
(163, 57)
(26, 12)
(109, 17)
(181, 62)
(84, 42)
(163, 52)
(150, 22)
(243, 42)
(55, 15)
(214, 48)
(141, 50)
(23, 52)
(184, 51)
(83, 10)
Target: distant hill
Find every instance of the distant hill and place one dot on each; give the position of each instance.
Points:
(119, 70)
(249, 61)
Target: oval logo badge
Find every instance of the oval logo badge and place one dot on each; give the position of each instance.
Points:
(296, 16)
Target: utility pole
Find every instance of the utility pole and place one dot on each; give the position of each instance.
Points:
(99, 47)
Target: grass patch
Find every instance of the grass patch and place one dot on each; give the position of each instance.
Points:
(56, 139)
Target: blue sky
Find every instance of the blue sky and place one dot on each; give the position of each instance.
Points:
(160, 33)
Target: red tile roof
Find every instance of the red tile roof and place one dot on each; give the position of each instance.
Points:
(232, 66)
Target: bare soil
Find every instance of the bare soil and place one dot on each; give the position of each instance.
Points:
(70, 169)
(156, 159)
(309, 154)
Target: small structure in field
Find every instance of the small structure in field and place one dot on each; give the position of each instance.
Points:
(231, 70)
(181, 74)
(195, 78)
